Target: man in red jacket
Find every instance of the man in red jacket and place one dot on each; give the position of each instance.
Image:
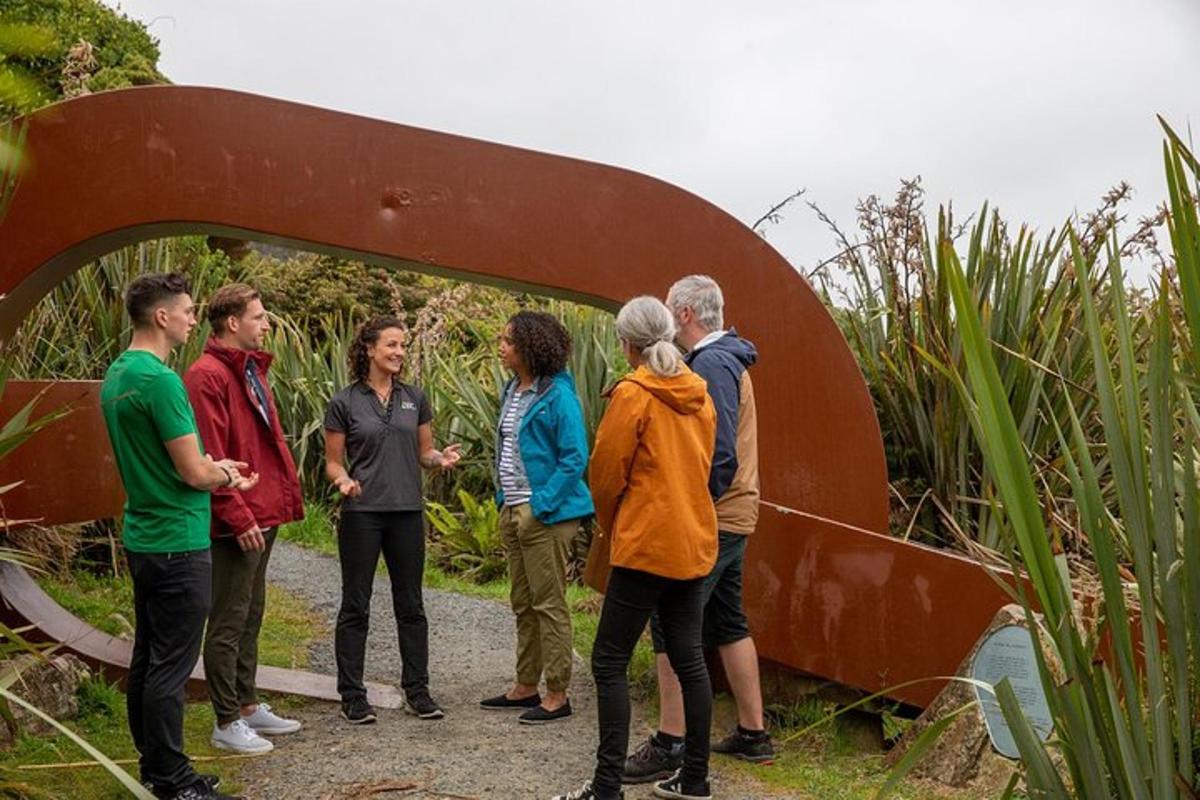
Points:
(236, 416)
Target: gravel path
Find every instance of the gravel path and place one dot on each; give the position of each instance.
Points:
(471, 753)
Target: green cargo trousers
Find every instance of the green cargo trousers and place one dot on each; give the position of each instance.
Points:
(537, 566)
(239, 584)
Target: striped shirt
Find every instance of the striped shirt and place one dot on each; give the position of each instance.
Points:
(513, 481)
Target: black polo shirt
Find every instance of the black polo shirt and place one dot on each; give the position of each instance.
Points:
(381, 445)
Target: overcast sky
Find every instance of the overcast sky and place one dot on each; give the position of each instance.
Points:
(1038, 107)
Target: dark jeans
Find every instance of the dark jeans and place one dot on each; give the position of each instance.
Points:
(400, 535)
(239, 585)
(171, 597)
(724, 619)
(632, 597)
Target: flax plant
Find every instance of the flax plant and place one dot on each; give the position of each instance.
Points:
(891, 294)
(1124, 715)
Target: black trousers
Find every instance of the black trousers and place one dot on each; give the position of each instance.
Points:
(632, 597)
(400, 536)
(171, 597)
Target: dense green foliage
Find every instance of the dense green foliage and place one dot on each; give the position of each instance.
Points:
(890, 292)
(123, 51)
(1124, 720)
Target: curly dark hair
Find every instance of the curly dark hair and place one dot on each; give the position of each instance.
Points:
(367, 335)
(542, 341)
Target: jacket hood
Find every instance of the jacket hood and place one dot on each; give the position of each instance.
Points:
(236, 359)
(741, 349)
(684, 392)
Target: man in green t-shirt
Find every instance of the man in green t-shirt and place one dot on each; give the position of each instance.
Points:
(167, 479)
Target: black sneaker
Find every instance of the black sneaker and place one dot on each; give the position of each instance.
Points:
(584, 792)
(652, 762)
(357, 711)
(754, 748)
(502, 702)
(423, 706)
(541, 716)
(673, 788)
(213, 782)
(201, 789)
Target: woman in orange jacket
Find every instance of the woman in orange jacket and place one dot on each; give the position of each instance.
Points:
(649, 480)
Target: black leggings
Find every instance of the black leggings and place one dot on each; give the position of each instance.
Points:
(400, 535)
(632, 597)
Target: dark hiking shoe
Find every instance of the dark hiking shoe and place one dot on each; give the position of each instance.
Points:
(673, 788)
(541, 716)
(201, 789)
(756, 748)
(213, 782)
(652, 762)
(423, 706)
(357, 711)
(504, 703)
(584, 792)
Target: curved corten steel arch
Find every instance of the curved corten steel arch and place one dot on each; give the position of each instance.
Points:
(826, 597)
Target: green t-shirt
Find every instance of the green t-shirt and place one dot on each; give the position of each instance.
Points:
(145, 404)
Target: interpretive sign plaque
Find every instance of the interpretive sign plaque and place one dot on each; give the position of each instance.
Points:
(1007, 652)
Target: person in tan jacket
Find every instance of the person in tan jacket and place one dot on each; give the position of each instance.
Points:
(649, 479)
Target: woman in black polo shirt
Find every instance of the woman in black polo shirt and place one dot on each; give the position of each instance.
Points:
(377, 438)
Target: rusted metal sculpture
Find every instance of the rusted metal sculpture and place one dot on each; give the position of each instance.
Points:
(826, 594)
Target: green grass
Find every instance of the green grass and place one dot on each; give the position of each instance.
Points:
(289, 626)
(824, 763)
(314, 532)
(104, 724)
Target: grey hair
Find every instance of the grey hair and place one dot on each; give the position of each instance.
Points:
(648, 326)
(703, 296)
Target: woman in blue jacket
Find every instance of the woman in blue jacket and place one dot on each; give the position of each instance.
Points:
(541, 457)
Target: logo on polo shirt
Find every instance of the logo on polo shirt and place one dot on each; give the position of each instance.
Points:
(408, 405)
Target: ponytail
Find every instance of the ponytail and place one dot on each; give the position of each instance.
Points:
(662, 358)
(648, 325)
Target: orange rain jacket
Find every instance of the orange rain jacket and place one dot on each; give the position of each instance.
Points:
(649, 474)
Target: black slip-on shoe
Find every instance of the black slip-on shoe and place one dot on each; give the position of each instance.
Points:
(540, 716)
(504, 703)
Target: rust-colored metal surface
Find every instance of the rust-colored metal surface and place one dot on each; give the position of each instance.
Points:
(67, 472)
(834, 601)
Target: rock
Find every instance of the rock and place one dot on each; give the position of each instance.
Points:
(963, 755)
(51, 685)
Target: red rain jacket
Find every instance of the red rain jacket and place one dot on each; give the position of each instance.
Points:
(231, 426)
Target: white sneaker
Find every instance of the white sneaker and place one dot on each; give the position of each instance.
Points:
(263, 720)
(240, 738)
